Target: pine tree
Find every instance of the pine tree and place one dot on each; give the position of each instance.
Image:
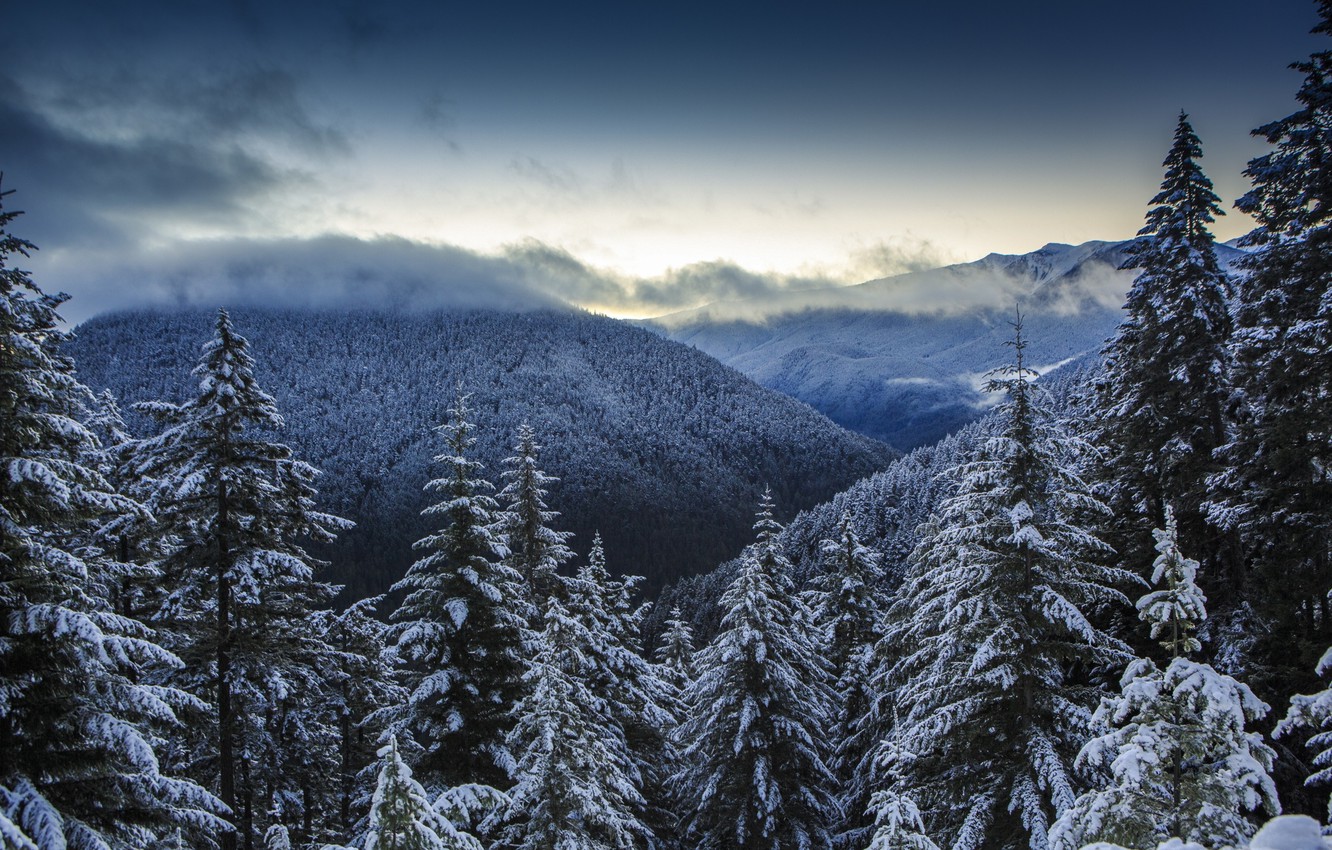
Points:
(1175, 759)
(401, 817)
(78, 732)
(1274, 489)
(576, 788)
(991, 621)
(460, 630)
(536, 550)
(756, 775)
(847, 607)
(1162, 401)
(240, 587)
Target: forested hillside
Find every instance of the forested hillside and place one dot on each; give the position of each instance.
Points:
(656, 445)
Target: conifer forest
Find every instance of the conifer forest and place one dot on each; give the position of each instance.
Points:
(1097, 616)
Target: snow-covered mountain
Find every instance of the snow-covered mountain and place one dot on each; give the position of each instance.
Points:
(903, 359)
(658, 446)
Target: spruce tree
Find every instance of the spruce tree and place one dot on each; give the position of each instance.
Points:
(240, 589)
(992, 623)
(1162, 401)
(576, 781)
(460, 630)
(1312, 713)
(536, 550)
(1174, 759)
(1275, 489)
(756, 774)
(78, 730)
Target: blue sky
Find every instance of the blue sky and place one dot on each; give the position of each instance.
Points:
(633, 158)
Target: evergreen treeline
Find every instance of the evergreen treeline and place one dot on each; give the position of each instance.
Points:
(1067, 626)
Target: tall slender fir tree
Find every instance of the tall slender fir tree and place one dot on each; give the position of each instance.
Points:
(1275, 488)
(536, 550)
(847, 606)
(240, 589)
(1166, 384)
(756, 774)
(615, 671)
(576, 783)
(461, 630)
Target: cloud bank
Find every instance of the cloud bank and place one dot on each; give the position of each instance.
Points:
(343, 272)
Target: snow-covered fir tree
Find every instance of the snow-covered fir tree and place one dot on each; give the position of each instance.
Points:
(1312, 713)
(460, 630)
(675, 653)
(536, 550)
(78, 730)
(1165, 386)
(848, 603)
(129, 539)
(988, 625)
(755, 771)
(401, 815)
(897, 821)
(240, 589)
(361, 683)
(1174, 759)
(675, 669)
(577, 787)
(615, 671)
(1275, 488)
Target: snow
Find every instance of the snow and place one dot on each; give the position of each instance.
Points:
(1290, 832)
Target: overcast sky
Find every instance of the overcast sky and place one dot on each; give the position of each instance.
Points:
(630, 157)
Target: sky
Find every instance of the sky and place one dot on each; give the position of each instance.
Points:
(631, 158)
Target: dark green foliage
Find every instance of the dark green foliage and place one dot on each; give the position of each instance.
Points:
(460, 630)
(1165, 387)
(1276, 489)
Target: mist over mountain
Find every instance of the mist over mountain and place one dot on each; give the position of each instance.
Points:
(657, 446)
(903, 359)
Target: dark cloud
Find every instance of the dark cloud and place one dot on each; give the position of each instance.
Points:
(328, 271)
(107, 159)
(345, 272)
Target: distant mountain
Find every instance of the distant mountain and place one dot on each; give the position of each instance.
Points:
(903, 359)
(658, 446)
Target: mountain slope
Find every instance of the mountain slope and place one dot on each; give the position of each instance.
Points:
(902, 359)
(658, 446)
